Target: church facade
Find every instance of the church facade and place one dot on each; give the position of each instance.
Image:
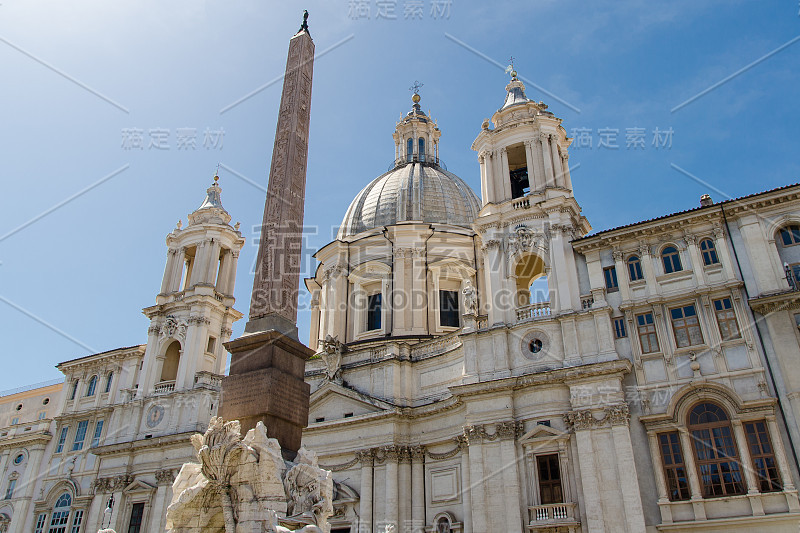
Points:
(483, 363)
(489, 365)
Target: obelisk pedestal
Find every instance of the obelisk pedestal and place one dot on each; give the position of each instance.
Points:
(266, 380)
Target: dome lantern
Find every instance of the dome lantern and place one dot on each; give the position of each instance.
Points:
(416, 136)
(417, 187)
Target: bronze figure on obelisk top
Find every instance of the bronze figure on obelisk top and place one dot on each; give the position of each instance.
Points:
(273, 304)
(266, 380)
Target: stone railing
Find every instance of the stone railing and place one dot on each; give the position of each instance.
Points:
(164, 387)
(537, 310)
(587, 302)
(522, 203)
(482, 322)
(207, 379)
(436, 346)
(551, 514)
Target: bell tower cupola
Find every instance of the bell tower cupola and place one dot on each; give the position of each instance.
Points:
(525, 154)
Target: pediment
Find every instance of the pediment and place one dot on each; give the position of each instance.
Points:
(139, 486)
(452, 265)
(542, 434)
(345, 398)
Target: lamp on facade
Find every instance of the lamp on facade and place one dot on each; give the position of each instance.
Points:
(790, 276)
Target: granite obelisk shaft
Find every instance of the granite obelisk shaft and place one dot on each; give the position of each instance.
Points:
(266, 381)
(273, 304)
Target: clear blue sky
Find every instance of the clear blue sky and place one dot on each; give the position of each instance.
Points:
(76, 75)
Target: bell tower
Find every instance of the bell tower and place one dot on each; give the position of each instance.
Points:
(194, 311)
(526, 152)
(529, 214)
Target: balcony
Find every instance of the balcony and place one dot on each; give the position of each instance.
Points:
(534, 311)
(425, 159)
(553, 515)
(164, 387)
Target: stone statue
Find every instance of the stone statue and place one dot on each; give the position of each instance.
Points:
(331, 354)
(219, 451)
(470, 298)
(243, 485)
(304, 25)
(310, 489)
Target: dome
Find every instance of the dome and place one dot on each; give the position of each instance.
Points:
(413, 192)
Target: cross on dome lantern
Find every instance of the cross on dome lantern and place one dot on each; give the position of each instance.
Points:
(415, 89)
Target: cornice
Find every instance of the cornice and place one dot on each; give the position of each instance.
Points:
(180, 439)
(784, 301)
(26, 439)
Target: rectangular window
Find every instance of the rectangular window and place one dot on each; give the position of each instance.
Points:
(42, 415)
(726, 319)
(98, 430)
(10, 490)
(80, 435)
(718, 465)
(77, 518)
(610, 273)
(62, 439)
(58, 522)
(212, 344)
(448, 308)
(619, 328)
(549, 479)
(137, 511)
(41, 520)
(763, 456)
(674, 468)
(373, 312)
(686, 326)
(647, 333)
(15, 420)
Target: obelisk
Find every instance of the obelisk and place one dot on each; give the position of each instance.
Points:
(266, 382)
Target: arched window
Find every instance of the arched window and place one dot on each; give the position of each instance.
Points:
(58, 522)
(109, 379)
(715, 451)
(172, 358)
(74, 390)
(709, 252)
(790, 235)
(410, 149)
(635, 268)
(421, 149)
(671, 259)
(90, 390)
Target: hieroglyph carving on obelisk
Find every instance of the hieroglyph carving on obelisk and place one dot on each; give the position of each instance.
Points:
(277, 276)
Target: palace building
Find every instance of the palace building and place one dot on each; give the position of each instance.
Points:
(483, 362)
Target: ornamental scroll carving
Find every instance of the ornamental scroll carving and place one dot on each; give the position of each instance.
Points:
(103, 484)
(523, 239)
(612, 415)
(174, 327)
(165, 476)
